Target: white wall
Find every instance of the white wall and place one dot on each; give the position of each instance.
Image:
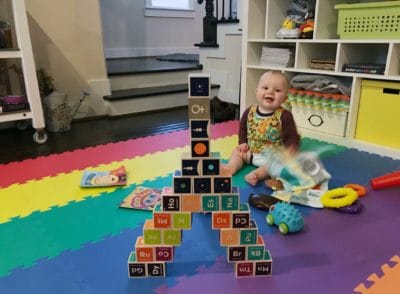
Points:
(127, 32)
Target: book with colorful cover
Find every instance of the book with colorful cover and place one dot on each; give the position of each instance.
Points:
(142, 198)
(115, 177)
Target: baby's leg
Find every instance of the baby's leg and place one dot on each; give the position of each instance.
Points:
(256, 175)
(235, 162)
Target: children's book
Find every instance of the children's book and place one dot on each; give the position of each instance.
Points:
(115, 177)
(143, 198)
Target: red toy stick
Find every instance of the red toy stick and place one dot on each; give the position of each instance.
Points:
(386, 181)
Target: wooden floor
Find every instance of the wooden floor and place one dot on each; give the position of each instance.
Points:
(18, 145)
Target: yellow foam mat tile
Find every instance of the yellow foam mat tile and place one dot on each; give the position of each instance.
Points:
(20, 200)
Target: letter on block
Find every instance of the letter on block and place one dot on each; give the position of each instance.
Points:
(210, 203)
(221, 220)
(151, 236)
(156, 269)
(164, 253)
(230, 202)
(244, 269)
(172, 237)
(135, 269)
(162, 220)
(236, 253)
(248, 236)
(255, 252)
(241, 220)
(182, 220)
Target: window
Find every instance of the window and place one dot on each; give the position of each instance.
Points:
(170, 8)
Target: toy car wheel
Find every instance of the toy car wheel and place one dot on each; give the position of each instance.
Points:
(283, 228)
(270, 219)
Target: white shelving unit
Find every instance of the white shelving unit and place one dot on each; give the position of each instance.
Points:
(21, 52)
(263, 18)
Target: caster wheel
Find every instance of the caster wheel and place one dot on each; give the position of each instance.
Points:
(22, 125)
(40, 138)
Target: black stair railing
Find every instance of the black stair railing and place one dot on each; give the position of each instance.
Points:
(222, 12)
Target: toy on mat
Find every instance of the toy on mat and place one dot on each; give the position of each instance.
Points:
(386, 181)
(287, 217)
(361, 190)
(262, 201)
(339, 197)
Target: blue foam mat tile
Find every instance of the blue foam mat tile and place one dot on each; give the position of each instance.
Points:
(359, 167)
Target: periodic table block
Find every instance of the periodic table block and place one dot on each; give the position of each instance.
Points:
(151, 235)
(182, 220)
(222, 185)
(230, 202)
(191, 167)
(156, 269)
(229, 237)
(248, 236)
(244, 269)
(199, 128)
(202, 185)
(182, 185)
(221, 220)
(191, 203)
(172, 237)
(199, 108)
(236, 253)
(162, 220)
(143, 252)
(240, 219)
(210, 167)
(264, 268)
(136, 269)
(255, 252)
(210, 203)
(164, 253)
(171, 202)
(200, 148)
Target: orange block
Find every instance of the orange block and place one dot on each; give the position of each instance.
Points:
(148, 224)
(143, 252)
(229, 237)
(191, 203)
(221, 220)
(162, 220)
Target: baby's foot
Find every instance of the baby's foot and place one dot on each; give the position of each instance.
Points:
(251, 178)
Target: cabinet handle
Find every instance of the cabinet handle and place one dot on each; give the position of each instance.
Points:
(315, 120)
(391, 91)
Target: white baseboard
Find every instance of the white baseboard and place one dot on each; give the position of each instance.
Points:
(139, 52)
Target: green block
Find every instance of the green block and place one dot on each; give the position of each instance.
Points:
(267, 255)
(244, 207)
(152, 237)
(248, 237)
(229, 202)
(182, 220)
(210, 203)
(172, 237)
(255, 252)
(157, 208)
(132, 257)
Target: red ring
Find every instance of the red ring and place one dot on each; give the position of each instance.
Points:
(361, 190)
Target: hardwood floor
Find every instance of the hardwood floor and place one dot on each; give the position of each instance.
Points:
(18, 145)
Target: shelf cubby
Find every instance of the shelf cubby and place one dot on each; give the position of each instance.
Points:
(320, 51)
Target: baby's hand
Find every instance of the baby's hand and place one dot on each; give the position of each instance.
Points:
(243, 147)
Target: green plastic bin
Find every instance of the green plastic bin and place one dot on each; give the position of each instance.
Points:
(377, 20)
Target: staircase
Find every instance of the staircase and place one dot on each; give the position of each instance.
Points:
(145, 84)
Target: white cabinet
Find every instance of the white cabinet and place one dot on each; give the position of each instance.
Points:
(263, 18)
(18, 72)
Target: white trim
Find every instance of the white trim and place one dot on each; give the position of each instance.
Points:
(167, 12)
(138, 52)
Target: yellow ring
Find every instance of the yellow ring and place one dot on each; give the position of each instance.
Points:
(339, 197)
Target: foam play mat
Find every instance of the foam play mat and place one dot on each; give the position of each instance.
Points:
(56, 237)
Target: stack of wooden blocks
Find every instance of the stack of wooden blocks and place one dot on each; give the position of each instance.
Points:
(200, 187)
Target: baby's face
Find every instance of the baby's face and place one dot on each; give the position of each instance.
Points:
(271, 92)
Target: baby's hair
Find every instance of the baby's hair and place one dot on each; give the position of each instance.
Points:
(275, 72)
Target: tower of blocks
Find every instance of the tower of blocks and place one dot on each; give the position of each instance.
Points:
(200, 187)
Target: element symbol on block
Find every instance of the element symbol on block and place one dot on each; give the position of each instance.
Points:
(263, 268)
(182, 220)
(210, 203)
(248, 236)
(244, 269)
(255, 252)
(155, 269)
(172, 237)
(236, 253)
(170, 203)
(241, 220)
(164, 253)
(221, 220)
(162, 220)
(230, 202)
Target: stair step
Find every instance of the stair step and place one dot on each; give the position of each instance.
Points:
(149, 91)
(141, 65)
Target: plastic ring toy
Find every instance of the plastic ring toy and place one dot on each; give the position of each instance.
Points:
(339, 197)
(361, 190)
